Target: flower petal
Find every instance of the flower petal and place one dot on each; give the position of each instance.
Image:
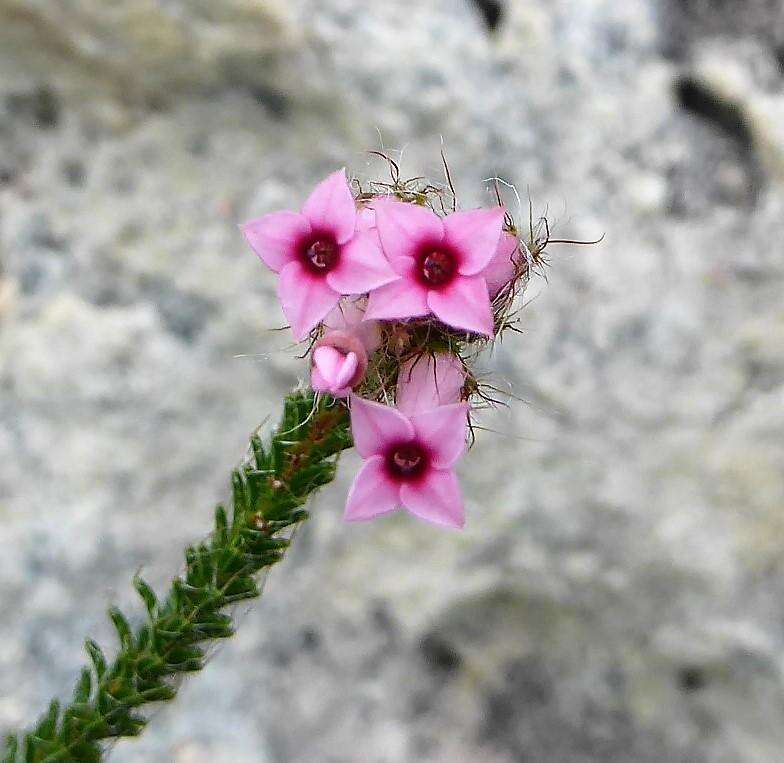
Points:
(328, 361)
(369, 334)
(502, 268)
(473, 235)
(403, 227)
(330, 207)
(443, 431)
(319, 384)
(317, 380)
(305, 298)
(366, 219)
(375, 427)
(372, 493)
(361, 267)
(464, 304)
(428, 381)
(346, 370)
(404, 298)
(348, 317)
(345, 316)
(403, 266)
(436, 498)
(276, 237)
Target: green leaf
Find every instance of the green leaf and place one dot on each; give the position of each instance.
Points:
(162, 693)
(219, 572)
(83, 687)
(11, 749)
(221, 526)
(47, 726)
(259, 455)
(147, 594)
(122, 627)
(96, 655)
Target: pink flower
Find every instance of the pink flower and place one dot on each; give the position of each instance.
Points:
(441, 264)
(408, 462)
(340, 357)
(502, 268)
(318, 253)
(429, 381)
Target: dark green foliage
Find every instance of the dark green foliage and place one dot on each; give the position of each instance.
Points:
(268, 493)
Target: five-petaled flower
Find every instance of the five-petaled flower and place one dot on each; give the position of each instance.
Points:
(441, 264)
(318, 253)
(408, 462)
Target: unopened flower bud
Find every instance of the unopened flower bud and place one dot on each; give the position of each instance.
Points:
(505, 264)
(430, 381)
(340, 362)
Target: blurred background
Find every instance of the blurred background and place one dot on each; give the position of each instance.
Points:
(618, 594)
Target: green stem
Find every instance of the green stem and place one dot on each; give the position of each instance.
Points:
(268, 494)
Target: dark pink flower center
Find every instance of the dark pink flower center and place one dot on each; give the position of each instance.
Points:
(321, 254)
(436, 266)
(407, 461)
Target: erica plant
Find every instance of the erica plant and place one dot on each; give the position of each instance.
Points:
(395, 292)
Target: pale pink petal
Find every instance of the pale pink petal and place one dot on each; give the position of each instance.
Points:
(369, 334)
(473, 236)
(276, 237)
(328, 360)
(346, 370)
(366, 219)
(366, 223)
(428, 381)
(403, 266)
(317, 380)
(306, 299)
(503, 266)
(404, 298)
(372, 493)
(330, 207)
(436, 498)
(348, 317)
(403, 228)
(464, 304)
(320, 384)
(443, 431)
(375, 427)
(361, 267)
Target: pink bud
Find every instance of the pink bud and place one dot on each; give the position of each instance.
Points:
(340, 361)
(505, 263)
(428, 382)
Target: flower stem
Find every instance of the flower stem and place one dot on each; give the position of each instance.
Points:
(269, 491)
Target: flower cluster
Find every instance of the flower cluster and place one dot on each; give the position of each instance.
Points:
(393, 296)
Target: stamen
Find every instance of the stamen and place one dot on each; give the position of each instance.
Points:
(323, 255)
(438, 267)
(407, 460)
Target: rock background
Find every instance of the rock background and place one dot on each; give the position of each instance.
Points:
(618, 594)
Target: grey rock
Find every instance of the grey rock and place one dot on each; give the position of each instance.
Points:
(137, 49)
(616, 595)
